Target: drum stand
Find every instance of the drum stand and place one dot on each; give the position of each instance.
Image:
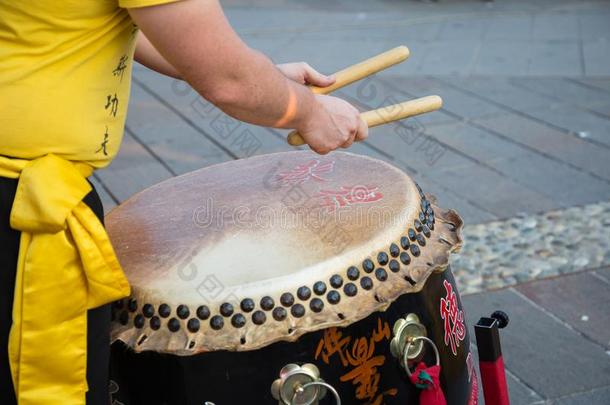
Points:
(491, 364)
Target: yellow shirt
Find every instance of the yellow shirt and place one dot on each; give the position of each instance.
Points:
(65, 69)
(65, 73)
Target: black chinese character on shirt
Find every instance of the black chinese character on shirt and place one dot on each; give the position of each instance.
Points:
(112, 103)
(102, 147)
(120, 69)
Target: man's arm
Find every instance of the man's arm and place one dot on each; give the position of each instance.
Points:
(299, 72)
(148, 55)
(195, 37)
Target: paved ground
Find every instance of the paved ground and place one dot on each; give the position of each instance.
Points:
(556, 345)
(525, 129)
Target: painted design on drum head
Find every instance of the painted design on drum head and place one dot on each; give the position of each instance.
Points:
(453, 316)
(358, 356)
(314, 169)
(332, 200)
(114, 389)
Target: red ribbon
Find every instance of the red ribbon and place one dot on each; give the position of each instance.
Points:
(427, 379)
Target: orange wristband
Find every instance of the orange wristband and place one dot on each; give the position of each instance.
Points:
(291, 110)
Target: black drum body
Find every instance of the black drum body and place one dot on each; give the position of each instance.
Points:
(356, 360)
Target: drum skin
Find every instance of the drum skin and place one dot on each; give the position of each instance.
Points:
(356, 360)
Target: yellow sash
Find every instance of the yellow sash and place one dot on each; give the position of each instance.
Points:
(66, 266)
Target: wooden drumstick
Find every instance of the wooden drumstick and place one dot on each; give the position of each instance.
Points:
(365, 68)
(387, 114)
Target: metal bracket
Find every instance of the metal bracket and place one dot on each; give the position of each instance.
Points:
(407, 342)
(301, 385)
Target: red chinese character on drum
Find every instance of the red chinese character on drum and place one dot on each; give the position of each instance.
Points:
(470, 366)
(310, 170)
(472, 379)
(334, 199)
(453, 317)
(474, 391)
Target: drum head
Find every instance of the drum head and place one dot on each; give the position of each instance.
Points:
(245, 253)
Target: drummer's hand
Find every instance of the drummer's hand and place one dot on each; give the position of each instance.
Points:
(302, 73)
(333, 124)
